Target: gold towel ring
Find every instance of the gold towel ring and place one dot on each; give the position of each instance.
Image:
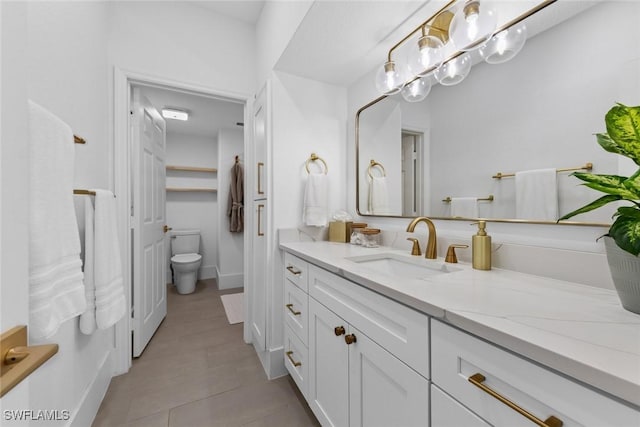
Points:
(313, 158)
(372, 164)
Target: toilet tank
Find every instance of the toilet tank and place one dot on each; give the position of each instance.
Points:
(185, 242)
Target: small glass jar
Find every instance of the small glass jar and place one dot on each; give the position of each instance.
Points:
(371, 237)
(356, 232)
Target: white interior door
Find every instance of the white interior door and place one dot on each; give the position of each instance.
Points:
(149, 217)
(258, 288)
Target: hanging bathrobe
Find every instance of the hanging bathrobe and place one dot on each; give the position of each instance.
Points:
(235, 209)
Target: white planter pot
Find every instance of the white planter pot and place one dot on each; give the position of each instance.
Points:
(625, 272)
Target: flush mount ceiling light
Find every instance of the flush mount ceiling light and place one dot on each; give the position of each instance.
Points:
(471, 27)
(172, 113)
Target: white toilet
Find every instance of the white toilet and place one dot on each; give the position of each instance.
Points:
(185, 259)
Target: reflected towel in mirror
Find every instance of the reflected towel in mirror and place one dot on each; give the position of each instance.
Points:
(378, 196)
(464, 207)
(537, 194)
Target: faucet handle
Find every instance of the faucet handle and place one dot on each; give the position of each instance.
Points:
(451, 253)
(415, 249)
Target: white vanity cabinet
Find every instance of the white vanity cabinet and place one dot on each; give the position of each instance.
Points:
(479, 375)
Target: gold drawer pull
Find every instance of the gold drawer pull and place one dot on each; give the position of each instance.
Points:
(290, 307)
(293, 270)
(350, 339)
(478, 379)
(296, 364)
(339, 330)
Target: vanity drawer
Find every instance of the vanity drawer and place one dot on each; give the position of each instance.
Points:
(401, 330)
(296, 357)
(296, 270)
(296, 311)
(447, 412)
(457, 356)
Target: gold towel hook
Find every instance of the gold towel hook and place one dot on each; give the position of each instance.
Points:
(314, 157)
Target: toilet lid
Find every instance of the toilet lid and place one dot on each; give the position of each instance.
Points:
(186, 258)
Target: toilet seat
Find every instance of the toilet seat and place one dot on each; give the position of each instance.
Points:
(185, 258)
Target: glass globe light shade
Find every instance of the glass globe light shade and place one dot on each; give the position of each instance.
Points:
(453, 72)
(472, 25)
(504, 45)
(417, 90)
(427, 53)
(388, 79)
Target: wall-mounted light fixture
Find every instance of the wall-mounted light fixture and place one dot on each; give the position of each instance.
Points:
(461, 26)
(175, 114)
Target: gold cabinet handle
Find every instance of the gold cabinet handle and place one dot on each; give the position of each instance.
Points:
(350, 339)
(260, 232)
(260, 166)
(296, 364)
(290, 307)
(339, 330)
(293, 270)
(478, 379)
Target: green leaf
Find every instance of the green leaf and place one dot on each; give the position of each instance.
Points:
(610, 145)
(591, 206)
(626, 232)
(623, 127)
(633, 184)
(629, 211)
(610, 184)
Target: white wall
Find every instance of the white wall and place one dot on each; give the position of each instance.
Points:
(230, 245)
(194, 210)
(67, 73)
(564, 252)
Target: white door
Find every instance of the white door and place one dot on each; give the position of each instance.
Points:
(259, 283)
(383, 391)
(260, 144)
(149, 248)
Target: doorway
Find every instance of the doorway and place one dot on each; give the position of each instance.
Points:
(187, 145)
(412, 185)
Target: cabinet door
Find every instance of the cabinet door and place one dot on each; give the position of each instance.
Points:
(260, 141)
(383, 391)
(447, 412)
(259, 275)
(328, 367)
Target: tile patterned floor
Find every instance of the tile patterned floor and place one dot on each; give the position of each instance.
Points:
(198, 372)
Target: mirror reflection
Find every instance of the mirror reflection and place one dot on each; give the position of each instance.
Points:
(456, 153)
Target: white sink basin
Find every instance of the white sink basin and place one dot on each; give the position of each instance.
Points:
(399, 266)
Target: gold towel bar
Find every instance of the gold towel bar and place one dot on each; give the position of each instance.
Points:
(84, 192)
(373, 164)
(485, 199)
(313, 158)
(79, 140)
(587, 166)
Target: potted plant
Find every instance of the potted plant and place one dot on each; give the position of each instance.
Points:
(622, 242)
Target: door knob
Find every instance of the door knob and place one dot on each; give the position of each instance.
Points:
(339, 330)
(350, 339)
(167, 228)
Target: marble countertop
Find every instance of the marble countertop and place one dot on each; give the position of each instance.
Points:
(575, 329)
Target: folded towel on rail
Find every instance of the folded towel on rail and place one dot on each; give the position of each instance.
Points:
(537, 194)
(88, 318)
(110, 299)
(315, 207)
(56, 292)
(464, 207)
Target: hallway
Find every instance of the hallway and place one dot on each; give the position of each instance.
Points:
(198, 372)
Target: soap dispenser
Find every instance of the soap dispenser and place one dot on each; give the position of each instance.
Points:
(481, 248)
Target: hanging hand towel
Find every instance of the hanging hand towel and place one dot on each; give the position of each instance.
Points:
(56, 292)
(464, 207)
(110, 300)
(314, 210)
(88, 318)
(378, 196)
(537, 195)
(235, 207)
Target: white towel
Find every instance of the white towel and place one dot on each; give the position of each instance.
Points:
(56, 293)
(315, 208)
(110, 300)
(88, 318)
(464, 207)
(537, 195)
(378, 196)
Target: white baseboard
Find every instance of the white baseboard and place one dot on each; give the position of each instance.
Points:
(229, 281)
(207, 272)
(272, 362)
(85, 412)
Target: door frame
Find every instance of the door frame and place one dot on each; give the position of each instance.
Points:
(120, 177)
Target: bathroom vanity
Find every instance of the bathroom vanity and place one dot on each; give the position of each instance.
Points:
(376, 337)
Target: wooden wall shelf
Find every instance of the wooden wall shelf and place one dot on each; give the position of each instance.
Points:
(192, 189)
(191, 169)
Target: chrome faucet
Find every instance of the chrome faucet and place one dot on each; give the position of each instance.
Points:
(432, 251)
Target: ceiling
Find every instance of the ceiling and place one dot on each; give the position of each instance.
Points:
(243, 10)
(207, 115)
